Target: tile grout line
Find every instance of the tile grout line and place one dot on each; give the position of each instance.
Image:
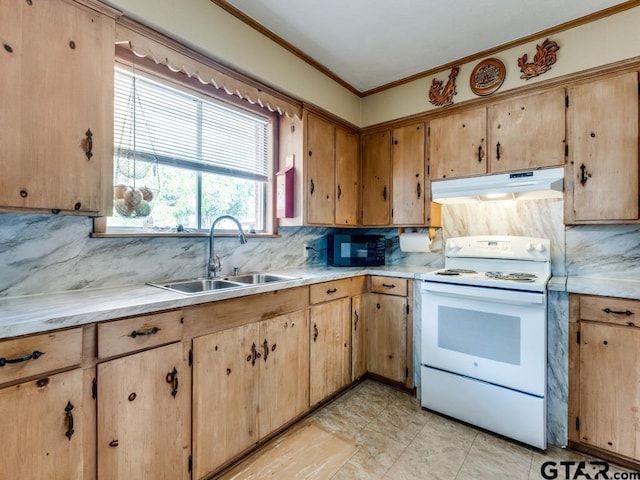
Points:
(475, 437)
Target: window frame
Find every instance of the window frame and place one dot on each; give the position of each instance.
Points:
(162, 74)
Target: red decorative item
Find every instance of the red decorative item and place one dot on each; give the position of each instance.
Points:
(442, 96)
(542, 61)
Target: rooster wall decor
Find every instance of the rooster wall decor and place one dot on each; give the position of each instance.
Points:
(542, 61)
(442, 96)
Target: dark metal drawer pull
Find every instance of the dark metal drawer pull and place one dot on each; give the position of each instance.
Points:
(34, 356)
(389, 285)
(70, 431)
(332, 290)
(141, 333)
(618, 312)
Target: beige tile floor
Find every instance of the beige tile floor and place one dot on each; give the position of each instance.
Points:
(400, 441)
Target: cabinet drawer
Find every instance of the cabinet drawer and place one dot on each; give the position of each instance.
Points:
(348, 287)
(389, 285)
(139, 333)
(610, 310)
(39, 354)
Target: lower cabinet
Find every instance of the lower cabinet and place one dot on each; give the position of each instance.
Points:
(142, 405)
(41, 432)
(604, 379)
(358, 336)
(330, 348)
(247, 382)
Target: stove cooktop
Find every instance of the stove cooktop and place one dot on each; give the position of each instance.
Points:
(495, 279)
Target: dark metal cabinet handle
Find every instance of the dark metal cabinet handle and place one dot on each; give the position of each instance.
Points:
(255, 354)
(265, 345)
(315, 332)
(339, 192)
(583, 176)
(498, 151)
(89, 150)
(313, 187)
(355, 324)
(33, 356)
(142, 333)
(69, 416)
(384, 192)
(618, 312)
(331, 291)
(389, 285)
(479, 153)
(172, 378)
(419, 190)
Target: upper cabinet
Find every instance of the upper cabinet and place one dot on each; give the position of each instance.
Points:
(376, 178)
(601, 173)
(332, 173)
(56, 91)
(408, 172)
(517, 134)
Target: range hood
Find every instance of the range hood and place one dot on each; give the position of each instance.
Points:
(546, 183)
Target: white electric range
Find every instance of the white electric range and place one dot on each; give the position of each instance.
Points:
(484, 330)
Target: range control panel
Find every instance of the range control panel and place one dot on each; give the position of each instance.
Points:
(499, 246)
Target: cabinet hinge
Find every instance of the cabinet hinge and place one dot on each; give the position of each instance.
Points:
(578, 337)
(429, 131)
(190, 357)
(190, 464)
(407, 308)
(406, 372)
(94, 388)
(577, 423)
(566, 149)
(392, 213)
(428, 169)
(566, 101)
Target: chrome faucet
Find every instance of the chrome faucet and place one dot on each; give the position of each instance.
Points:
(214, 266)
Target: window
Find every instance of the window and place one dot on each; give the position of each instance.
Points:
(183, 158)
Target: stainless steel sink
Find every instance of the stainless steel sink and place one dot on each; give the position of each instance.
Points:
(207, 285)
(198, 285)
(258, 278)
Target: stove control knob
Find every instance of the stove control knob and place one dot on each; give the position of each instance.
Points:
(458, 244)
(540, 247)
(529, 247)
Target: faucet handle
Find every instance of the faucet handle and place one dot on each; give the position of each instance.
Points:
(236, 271)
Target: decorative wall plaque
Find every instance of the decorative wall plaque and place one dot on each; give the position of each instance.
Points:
(442, 96)
(487, 76)
(542, 61)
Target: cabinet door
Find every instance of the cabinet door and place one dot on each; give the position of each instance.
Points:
(457, 146)
(387, 336)
(408, 175)
(40, 437)
(527, 132)
(225, 396)
(330, 346)
(320, 170)
(358, 337)
(60, 88)
(141, 415)
(284, 370)
(601, 176)
(347, 175)
(609, 388)
(376, 178)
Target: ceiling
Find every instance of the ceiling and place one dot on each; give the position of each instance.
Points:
(368, 44)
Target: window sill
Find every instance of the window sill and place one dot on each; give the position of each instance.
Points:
(177, 234)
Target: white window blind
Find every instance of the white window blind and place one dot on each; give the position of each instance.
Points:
(155, 122)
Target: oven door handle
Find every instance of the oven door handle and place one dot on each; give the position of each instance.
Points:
(495, 295)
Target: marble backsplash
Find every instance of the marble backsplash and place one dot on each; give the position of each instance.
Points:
(50, 253)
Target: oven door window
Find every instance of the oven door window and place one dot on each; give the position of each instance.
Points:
(480, 334)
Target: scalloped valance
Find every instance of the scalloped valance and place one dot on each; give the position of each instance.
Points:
(148, 43)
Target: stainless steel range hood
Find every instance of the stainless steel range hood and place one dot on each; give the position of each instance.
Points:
(546, 183)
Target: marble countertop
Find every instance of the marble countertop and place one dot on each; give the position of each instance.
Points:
(604, 286)
(21, 315)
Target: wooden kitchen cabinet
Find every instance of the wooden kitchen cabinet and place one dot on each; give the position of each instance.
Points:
(358, 337)
(44, 413)
(143, 411)
(409, 188)
(389, 329)
(248, 381)
(332, 173)
(330, 348)
(601, 173)
(604, 381)
(56, 89)
(376, 178)
(525, 132)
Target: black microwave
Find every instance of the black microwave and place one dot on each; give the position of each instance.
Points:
(347, 250)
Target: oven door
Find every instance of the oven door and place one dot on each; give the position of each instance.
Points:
(494, 335)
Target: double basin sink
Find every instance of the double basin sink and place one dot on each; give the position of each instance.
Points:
(209, 285)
